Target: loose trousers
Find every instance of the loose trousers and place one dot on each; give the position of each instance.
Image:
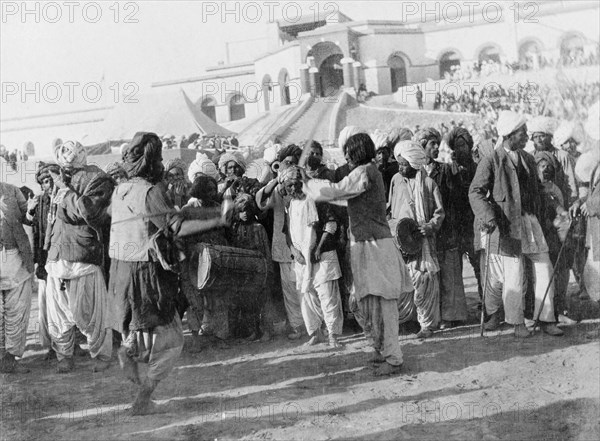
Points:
(506, 285)
(381, 327)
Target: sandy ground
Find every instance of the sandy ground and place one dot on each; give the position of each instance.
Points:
(455, 386)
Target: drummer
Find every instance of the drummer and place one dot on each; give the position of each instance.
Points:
(416, 196)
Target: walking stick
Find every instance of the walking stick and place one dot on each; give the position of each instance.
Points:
(560, 252)
(485, 279)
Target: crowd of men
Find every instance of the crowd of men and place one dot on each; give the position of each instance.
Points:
(528, 98)
(380, 239)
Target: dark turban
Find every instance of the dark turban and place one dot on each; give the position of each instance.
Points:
(44, 170)
(290, 150)
(455, 134)
(427, 134)
(141, 157)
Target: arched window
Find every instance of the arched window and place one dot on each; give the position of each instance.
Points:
(529, 54)
(237, 109)
(447, 61)
(571, 49)
(489, 53)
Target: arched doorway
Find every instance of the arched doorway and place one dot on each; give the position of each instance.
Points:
(331, 76)
(237, 109)
(571, 49)
(489, 53)
(326, 56)
(208, 108)
(267, 89)
(529, 54)
(447, 61)
(284, 80)
(397, 72)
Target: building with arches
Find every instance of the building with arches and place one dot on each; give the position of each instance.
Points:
(321, 53)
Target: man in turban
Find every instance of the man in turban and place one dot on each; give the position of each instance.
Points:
(460, 142)
(542, 131)
(452, 293)
(16, 270)
(272, 196)
(415, 196)
(384, 146)
(143, 285)
(175, 179)
(38, 209)
(232, 166)
(554, 223)
(290, 154)
(565, 139)
(505, 197)
(76, 290)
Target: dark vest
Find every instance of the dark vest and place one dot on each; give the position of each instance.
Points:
(367, 211)
(527, 204)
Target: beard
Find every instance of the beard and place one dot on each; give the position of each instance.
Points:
(313, 162)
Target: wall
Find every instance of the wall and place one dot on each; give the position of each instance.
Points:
(272, 64)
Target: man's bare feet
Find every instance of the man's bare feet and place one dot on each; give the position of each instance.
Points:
(315, 338)
(334, 342)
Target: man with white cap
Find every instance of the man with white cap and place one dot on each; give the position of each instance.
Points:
(416, 196)
(542, 131)
(566, 139)
(505, 198)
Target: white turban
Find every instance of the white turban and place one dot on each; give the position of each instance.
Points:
(592, 125)
(563, 133)
(380, 139)
(202, 165)
(541, 124)
(412, 152)
(235, 157)
(345, 134)
(508, 122)
(70, 154)
(271, 152)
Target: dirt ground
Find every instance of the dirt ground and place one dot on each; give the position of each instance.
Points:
(455, 386)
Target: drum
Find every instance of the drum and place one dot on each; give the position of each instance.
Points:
(232, 271)
(408, 238)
